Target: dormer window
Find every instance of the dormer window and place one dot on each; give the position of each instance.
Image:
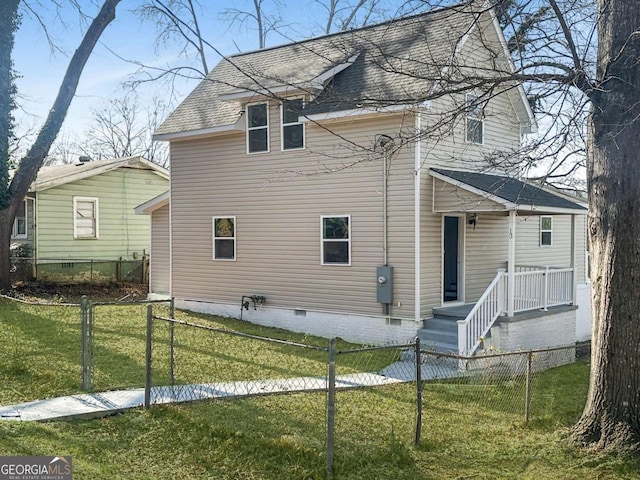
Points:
(475, 123)
(257, 128)
(292, 128)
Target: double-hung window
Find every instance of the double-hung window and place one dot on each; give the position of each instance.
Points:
(336, 239)
(292, 128)
(546, 231)
(85, 217)
(20, 222)
(257, 128)
(475, 123)
(224, 238)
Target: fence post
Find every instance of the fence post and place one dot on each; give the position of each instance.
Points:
(147, 379)
(527, 392)
(331, 406)
(418, 392)
(172, 359)
(83, 331)
(90, 347)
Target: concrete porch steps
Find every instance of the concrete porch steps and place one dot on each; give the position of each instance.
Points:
(440, 333)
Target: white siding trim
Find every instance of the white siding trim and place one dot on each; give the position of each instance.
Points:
(416, 217)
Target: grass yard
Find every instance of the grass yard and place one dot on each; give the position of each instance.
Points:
(467, 434)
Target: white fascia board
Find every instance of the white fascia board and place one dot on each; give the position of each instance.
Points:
(541, 210)
(355, 112)
(63, 180)
(203, 132)
(321, 80)
(252, 95)
(494, 198)
(152, 205)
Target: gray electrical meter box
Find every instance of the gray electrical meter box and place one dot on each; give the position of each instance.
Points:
(385, 284)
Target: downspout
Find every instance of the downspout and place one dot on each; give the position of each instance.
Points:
(417, 220)
(385, 142)
(385, 184)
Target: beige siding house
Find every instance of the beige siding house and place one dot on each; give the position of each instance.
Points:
(80, 220)
(314, 188)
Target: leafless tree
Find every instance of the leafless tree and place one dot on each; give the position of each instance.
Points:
(345, 14)
(123, 128)
(13, 191)
(259, 16)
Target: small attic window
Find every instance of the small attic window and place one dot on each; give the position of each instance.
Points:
(257, 128)
(475, 123)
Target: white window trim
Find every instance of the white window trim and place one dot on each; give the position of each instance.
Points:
(549, 230)
(96, 202)
(322, 240)
(14, 228)
(470, 116)
(283, 125)
(235, 236)
(256, 128)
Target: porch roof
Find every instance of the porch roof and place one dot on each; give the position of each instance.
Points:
(495, 192)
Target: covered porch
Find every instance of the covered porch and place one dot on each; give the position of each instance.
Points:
(538, 284)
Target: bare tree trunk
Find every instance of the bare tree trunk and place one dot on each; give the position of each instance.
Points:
(31, 163)
(611, 419)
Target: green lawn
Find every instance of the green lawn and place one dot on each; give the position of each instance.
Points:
(465, 436)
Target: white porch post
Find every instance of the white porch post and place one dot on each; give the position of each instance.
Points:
(574, 263)
(511, 264)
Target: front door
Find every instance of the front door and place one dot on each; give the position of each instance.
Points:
(452, 259)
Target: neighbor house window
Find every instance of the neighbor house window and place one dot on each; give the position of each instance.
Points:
(292, 128)
(475, 124)
(20, 222)
(85, 217)
(546, 230)
(257, 128)
(224, 238)
(336, 240)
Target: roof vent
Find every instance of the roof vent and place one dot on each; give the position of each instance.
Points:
(84, 159)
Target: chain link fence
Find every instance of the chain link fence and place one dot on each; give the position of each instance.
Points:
(378, 400)
(189, 361)
(79, 270)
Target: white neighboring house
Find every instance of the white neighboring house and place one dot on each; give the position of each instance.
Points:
(301, 197)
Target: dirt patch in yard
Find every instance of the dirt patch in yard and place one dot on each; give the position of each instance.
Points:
(72, 293)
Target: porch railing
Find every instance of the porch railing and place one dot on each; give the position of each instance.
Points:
(487, 309)
(542, 287)
(533, 288)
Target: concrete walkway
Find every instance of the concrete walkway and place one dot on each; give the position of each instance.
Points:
(95, 405)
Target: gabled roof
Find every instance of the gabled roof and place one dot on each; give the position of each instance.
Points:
(150, 206)
(56, 175)
(513, 194)
(390, 64)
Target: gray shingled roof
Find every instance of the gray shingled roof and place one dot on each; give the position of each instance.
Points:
(55, 175)
(390, 57)
(510, 189)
